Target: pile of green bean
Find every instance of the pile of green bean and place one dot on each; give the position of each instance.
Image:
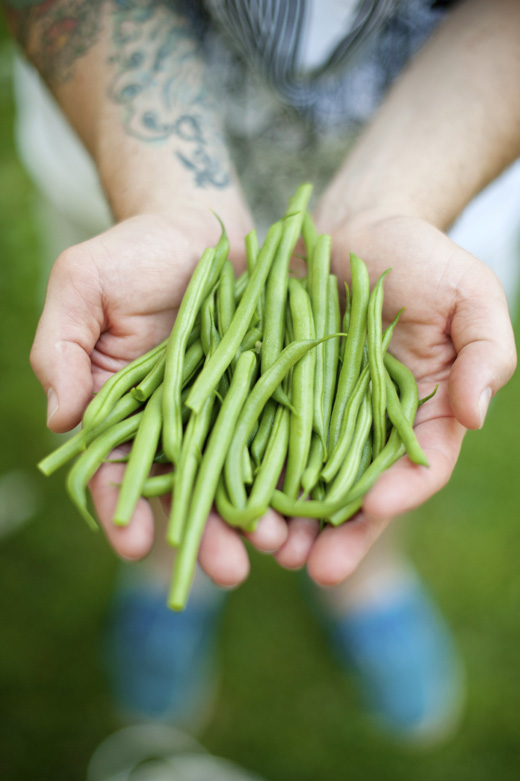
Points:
(261, 397)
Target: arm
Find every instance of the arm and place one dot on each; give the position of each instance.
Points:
(448, 127)
(132, 81)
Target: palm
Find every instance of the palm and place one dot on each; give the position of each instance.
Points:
(143, 268)
(454, 332)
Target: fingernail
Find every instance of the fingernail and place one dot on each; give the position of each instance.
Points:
(52, 404)
(483, 404)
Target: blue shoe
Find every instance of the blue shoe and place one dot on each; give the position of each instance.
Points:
(161, 664)
(408, 668)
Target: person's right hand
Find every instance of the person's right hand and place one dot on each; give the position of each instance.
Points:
(110, 300)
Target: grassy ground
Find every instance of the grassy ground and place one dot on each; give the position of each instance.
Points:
(284, 709)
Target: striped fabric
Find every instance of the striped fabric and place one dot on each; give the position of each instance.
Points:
(267, 34)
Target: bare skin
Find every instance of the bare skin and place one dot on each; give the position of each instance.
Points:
(446, 130)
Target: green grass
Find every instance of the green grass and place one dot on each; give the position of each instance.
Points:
(284, 709)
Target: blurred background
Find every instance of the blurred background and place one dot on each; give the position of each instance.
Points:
(284, 709)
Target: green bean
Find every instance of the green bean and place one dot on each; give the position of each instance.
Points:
(302, 397)
(263, 433)
(190, 306)
(240, 285)
(90, 461)
(429, 396)
(76, 444)
(346, 512)
(220, 257)
(158, 485)
(311, 473)
(397, 416)
(354, 343)
(244, 518)
(310, 236)
(352, 508)
(213, 370)
(117, 385)
(256, 401)
(338, 454)
(377, 369)
(151, 382)
(226, 298)
(272, 464)
(141, 459)
(207, 324)
(330, 351)
(186, 470)
(192, 359)
(251, 250)
(247, 469)
(349, 468)
(250, 340)
(208, 477)
(194, 335)
(277, 281)
(319, 296)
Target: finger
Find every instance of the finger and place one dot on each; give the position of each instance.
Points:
(406, 485)
(338, 551)
(270, 533)
(68, 330)
(130, 542)
(483, 337)
(222, 554)
(300, 538)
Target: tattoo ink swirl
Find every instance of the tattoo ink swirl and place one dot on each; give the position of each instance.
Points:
(160, 83)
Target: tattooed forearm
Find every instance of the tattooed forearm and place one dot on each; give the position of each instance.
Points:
(153, 65)
(55, 33)
(159, 81)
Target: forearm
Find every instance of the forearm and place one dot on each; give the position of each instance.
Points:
(448, 127)
(133, 83)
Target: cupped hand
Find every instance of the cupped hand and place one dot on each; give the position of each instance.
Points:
(109, 300)
(456, 332)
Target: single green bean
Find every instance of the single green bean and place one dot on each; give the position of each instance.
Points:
(190, 306)
(271, 467)
(302, 396)
(141, 459)
(226, 298)
(311, 474)
(376, 365)
(354, 344)
(251, 250)
(186, 470)
(277, 281)
(208, 476)
(350, 466)
(330, 351)
(397, 416)
(259, 443)
(310, 237)
(158, 485)
(319, 296)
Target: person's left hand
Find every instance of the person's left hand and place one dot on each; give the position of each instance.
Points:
(455, 331)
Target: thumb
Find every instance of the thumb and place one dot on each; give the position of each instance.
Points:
(486, 357)
(68, 330)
